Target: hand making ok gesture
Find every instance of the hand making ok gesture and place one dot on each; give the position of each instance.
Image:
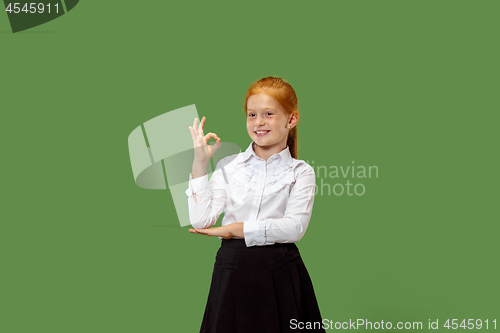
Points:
(202, 150)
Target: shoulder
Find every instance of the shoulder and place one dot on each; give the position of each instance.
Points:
(233, 165)
(231, 160)
(301, 168)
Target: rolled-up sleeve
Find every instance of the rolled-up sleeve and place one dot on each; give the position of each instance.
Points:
(210, 196)
(292, 227)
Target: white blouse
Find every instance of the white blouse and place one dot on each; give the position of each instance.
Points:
(273, 199)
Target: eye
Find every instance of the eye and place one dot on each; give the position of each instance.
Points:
(250, 114)
(270, 113)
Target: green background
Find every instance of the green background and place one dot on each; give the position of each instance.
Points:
(408, 86)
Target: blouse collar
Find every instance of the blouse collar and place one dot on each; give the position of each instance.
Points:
(284, 154)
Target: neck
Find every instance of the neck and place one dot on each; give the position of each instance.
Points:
(266, 152)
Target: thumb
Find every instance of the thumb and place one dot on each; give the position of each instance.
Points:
(216, 146)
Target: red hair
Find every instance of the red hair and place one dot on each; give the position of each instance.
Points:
(282, 92)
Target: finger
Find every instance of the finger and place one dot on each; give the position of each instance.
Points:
(194, 231)
(195, 124)
(193, 134)
(201, 231)
(215, 231)
(210, 231)
(209, 136)
(213, 148)
(217, 145)
(200, 126)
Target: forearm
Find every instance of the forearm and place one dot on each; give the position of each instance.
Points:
(237, 229)
(271, 231)
(199, 170)
(286, 230)
(206, 206)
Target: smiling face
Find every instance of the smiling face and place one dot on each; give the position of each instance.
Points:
(266, 115)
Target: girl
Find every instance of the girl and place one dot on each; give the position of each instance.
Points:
(259, 283)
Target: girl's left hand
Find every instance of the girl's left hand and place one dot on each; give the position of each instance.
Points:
(223, 232)
(226, 232)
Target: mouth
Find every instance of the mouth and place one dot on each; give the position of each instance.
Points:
(261, 133)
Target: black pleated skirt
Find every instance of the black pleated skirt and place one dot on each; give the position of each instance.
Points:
(260, 289)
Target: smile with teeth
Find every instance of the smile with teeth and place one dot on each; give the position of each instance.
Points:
(261, 133)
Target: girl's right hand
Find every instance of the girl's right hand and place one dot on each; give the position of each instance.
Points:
(203, 152)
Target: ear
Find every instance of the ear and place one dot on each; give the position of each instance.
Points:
(293, 119)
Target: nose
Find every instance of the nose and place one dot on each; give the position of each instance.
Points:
(260, 120)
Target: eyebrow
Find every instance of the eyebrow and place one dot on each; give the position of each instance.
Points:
(266, 108)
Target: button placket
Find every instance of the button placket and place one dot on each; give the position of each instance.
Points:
(260, 192)
(254, 210)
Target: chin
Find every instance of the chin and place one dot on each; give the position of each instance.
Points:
(262, 143)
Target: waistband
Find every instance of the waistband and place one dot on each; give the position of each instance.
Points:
(240, 244)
